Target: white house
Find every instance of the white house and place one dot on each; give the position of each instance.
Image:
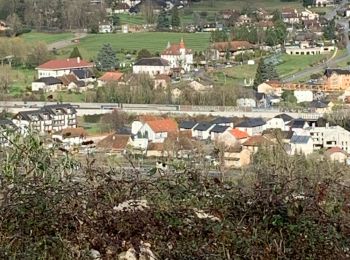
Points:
(202, 130)
(298, 126)
(178, 56)
(252, 126)
(71, 136)
(151, 66)
(279, 122)
(157, 130)
(246, 102)
(301, 144)
(303, 95)
(46, 84)
(304, 48)
(218, 130)
(105, 28)
(336, 154)
(330, 136)
(323, 3)
(56, 68)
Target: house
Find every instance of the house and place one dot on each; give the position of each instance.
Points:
(277, 135)
(121, 8)
(202, 130)
(301, 144)
(161, 81)
(110, 77)
(252, 126)
(246, 102)
(115, 143)
(156, 150)
(233, 137)
(47, 84)
(298, 126)
(290, 16)
(200, 85)
(3, 26)
(151, 66)
(309, 15)
(321, 107)
(233, 47)
(271, 87)
(337, 79)
(137, 124)
(71, 82)
(157, 130)
(187, 125)
(7, 128)
(255, 142)
(85, 75)
(105, 27)
(236, 157)
(330, 136)
(303, 96)
(323, 3)
(48, 119)
(178, 56)
(223, 121)
(279, 122)
(218, 130)
(305, 48)
(70, 136)
(56, 68)
(336, 154)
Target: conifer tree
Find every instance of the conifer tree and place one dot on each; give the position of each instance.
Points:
(175, 18)
(75, 53)
(106, 58)
(163, 21)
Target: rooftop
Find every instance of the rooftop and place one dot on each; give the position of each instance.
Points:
(65, 64)
(163, 125)
(252, 122)
(156, 61)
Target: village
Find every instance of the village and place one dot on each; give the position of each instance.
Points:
(177, 74)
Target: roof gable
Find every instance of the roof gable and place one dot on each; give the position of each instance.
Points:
(163, 125)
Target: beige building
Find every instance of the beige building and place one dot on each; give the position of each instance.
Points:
(337, 79)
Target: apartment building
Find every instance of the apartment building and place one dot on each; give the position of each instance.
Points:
(330, 136)
(337, 79)
(48, 119)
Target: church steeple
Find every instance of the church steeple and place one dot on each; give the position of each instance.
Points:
(182, 44)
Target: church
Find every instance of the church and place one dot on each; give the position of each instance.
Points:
(178, 56)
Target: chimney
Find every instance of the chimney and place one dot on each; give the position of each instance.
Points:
(327, 125)
(78, 59)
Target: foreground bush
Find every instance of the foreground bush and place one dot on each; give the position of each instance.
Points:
(282, 207)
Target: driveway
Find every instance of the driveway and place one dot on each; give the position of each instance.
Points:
(66, 43)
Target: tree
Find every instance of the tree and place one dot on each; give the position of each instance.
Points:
(5, 79)
(115, 120)
(115, 20)
(38, 54)
(143, 53)
(175, 18)
(147, 11)
(15, 24)
(265, 71)
(106, 58)
(163, 21)
(75, 53)
(329, 30)
(289, 97)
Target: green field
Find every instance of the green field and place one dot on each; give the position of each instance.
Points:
(48, 38)
(217, 5)
(136, 19)
(153, 41)
(292, 64)
(22, 79)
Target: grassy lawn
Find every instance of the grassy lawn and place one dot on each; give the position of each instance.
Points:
(67, 96)
(294, 63)
(136, 19)
(153, 41)
(238, 74)
(217, 5)
(48, 38)
(22, 79)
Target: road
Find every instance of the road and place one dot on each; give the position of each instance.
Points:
(333, 61)
(66, 43)
(104, 108)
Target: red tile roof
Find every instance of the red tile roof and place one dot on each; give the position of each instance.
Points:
(112, 76)
(164, 125)
(335, 150)
(233, 45)
(174, 49)
(238, 134)
(65, 64)
(114, 142)
(257, 140)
